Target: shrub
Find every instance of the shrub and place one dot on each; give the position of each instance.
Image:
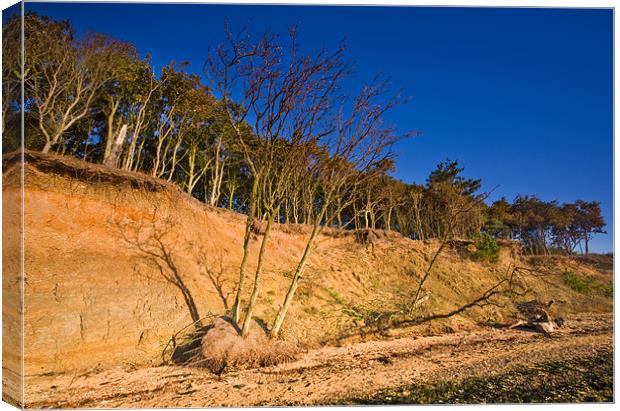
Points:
(270, 298)
(577, 283)
(487, 249)
(588, 284)
(608, 289)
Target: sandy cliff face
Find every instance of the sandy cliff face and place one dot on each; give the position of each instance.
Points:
(11, 289)
(97, 295)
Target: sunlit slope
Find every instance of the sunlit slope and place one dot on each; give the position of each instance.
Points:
(97, 295)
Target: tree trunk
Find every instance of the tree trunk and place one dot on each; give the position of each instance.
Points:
(231, 196)
(47, 147)
(246, 250)
(115, 150)
(257, 277)
(339, 212)
(388, 219)
(158, 155)
(128, 160)
(218, 174)
(139, 160)
(191, 170)
(277, 324)
(110, 130)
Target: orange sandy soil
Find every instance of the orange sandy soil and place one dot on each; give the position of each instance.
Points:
(326, 375)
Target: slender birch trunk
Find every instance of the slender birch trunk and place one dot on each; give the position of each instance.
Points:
(246, 250)
(301, 266)
(110, 130)
(257, 278)
(111, 160)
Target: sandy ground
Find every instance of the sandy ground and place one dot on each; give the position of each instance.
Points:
(325, 375)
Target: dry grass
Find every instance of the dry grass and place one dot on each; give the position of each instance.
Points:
(223, 348)
(372, 236)
(83, 171)
(295, 228)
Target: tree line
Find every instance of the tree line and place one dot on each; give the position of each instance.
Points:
(267, 130)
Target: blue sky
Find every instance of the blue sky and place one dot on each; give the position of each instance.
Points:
(521, 97)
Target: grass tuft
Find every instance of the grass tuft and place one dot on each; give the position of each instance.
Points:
(587, 285)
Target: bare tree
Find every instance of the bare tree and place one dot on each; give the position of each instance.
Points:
(125, 71)
(139, 106)
(359, 142)
(198, 160)
(64, 76)
(456, 210)
(512, 285)
(11, 69)
(285, 97)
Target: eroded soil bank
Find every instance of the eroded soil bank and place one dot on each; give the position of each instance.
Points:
(353, 373)
(99, 309)
(95, 297)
